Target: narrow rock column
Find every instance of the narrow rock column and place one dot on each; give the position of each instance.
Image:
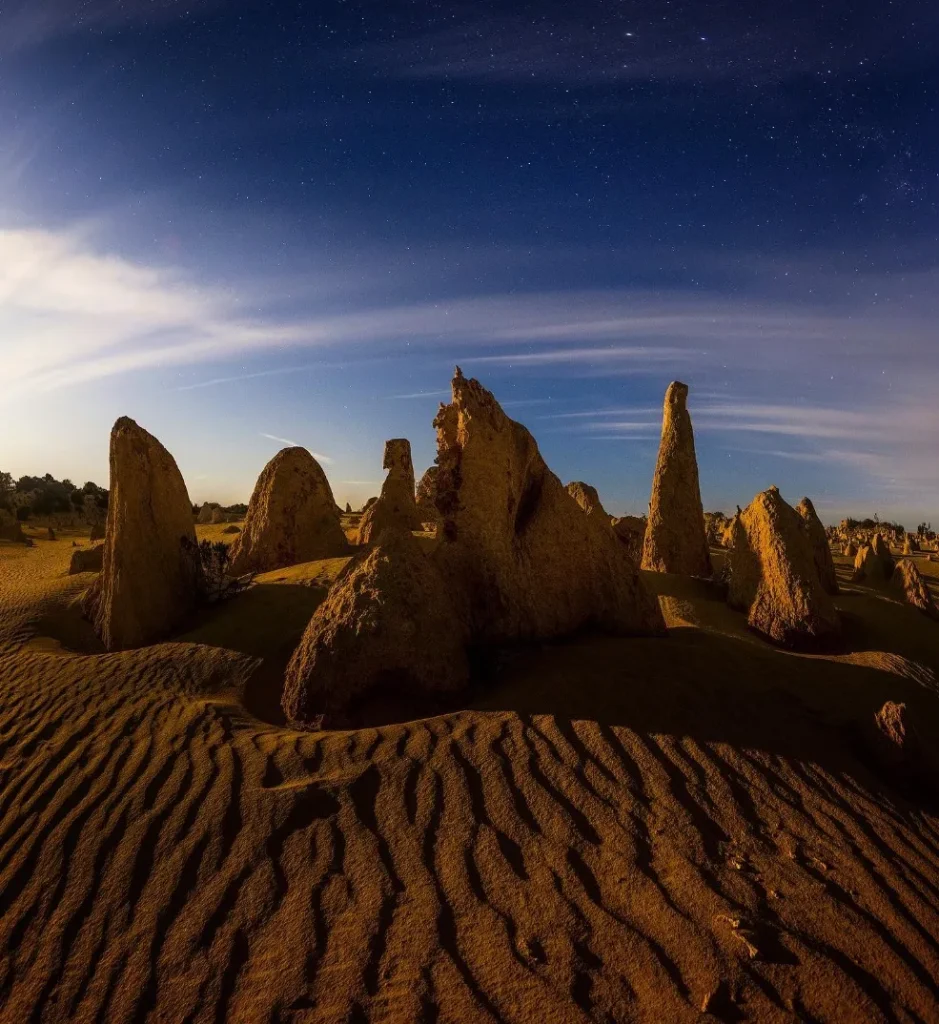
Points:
(675, 539)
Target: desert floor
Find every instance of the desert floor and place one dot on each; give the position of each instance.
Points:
(657, 830)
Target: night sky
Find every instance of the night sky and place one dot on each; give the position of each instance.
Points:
(250, 224)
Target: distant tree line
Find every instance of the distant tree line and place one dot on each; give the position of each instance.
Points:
(44, 495)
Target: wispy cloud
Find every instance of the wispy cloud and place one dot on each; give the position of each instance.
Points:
(422, 394)
(29, 23)
(277, 372)
(70, 314)
(296, 444)
(644, 355)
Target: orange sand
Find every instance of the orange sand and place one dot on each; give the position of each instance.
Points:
(657, 830)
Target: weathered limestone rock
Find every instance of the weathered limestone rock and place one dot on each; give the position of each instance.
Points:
(675, 538)
(898, 747)
(427, 496)
(874, 564)
(911, 588)
(773, 577)
(849, 550)
(87, 560)
(205, 514)
(396, 505)
(821, 550)
(291, 517)
(527, 562)
(150, 575)
(387, 626)
(631, 531)
(587, 497)
(715, 523)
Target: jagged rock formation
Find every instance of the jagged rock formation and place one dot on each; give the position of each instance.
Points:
(87, 560)
(874, 564)
(527, 560)
(849, 550)
(427, 496)
(818, 541)
(631, 531)
(150, 574)
(587, 497)
(675, 538)
(907, 582)
(396, 505)
(291, 517)
(387, 625)
(910, 545)
(773, 577)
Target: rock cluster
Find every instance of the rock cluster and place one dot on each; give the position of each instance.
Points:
(396, 505)
(150, 574)
(291, 517)
(873, 563)
(772, 576)
(675, 539)
(821, 550)
(516, 559)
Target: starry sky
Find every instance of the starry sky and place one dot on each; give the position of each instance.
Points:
(248, 224)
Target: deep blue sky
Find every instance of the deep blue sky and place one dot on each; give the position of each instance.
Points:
(246, 222)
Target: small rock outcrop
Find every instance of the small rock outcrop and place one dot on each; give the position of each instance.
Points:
(348, 509)
(849, 550)
(291, 517)
(150, 575)
(873, 563)
(526, 560)
(386, 626)
(427, 496)
(818, 541)
(87, 560)
(910, 587)
(675, 539)
(587, 497)
(205, 514)
(772, 576)
(898, 747)
(631, 531)
(396, 505)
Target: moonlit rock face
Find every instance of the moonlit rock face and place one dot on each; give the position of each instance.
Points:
(396, 505)
(773, 576)
(585, 496)
(388, 625)
(910, 586)
(150, 573)
(526, 560)
(292, 517)
(821, 550)
(675, 538)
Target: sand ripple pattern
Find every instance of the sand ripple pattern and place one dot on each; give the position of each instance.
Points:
(163, 857)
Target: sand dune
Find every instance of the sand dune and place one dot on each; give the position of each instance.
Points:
(660, 829)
